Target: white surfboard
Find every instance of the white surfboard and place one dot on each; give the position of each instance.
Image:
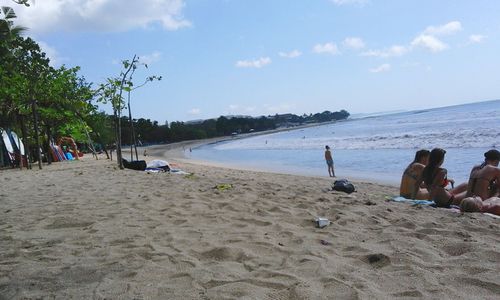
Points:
(18, 141)
(6, 141)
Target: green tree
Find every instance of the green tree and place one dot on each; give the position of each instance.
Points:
(112, 92)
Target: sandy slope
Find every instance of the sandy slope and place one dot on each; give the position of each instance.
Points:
(87, 230)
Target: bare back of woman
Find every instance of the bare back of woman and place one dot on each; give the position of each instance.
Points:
(411, 183)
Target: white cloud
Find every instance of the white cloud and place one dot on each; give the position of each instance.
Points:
(51, 53)
(396, 50)
(353, 43)
(291, 54)
(194, 111)
(429, 42)
(150, 58)
(446, 29)
(101, 15)
(258, 63)
(476, 38)
(381, 68)
(345, 2)
(330, 48)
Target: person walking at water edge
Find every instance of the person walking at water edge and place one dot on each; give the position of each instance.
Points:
(329, 161)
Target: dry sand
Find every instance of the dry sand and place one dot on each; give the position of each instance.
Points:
(86, 230)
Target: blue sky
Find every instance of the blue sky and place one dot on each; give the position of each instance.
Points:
(261, 57)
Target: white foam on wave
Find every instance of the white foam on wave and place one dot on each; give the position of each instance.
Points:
(465, 126)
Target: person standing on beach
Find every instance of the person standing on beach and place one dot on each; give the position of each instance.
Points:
(484, 180)
(329, 161)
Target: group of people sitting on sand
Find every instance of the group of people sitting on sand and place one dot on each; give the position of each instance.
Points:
(425, 179)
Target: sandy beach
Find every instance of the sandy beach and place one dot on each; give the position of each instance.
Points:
(87, 230)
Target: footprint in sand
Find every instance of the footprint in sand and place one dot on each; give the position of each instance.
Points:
(457, 249)
(377, 260)
(225, 254)
(67, 223)
(406, 294)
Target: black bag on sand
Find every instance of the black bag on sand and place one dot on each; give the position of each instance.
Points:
(343, 185)
(139, 165)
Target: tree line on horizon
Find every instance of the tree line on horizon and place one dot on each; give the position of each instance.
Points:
(45, 103)
(151, 132)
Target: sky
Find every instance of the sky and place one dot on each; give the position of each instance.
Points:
(262, 57)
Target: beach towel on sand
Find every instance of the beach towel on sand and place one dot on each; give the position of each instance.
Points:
(411, 201)
(452, 208)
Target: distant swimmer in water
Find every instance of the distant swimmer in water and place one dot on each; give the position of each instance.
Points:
(411, 181)
(476, 204)
(329, 161)
(484, 179)
(436, 180)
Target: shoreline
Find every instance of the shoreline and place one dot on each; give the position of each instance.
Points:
(177, 152)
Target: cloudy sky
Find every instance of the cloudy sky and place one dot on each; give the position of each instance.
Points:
(261, 57)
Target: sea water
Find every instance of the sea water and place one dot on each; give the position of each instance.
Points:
(374, 148)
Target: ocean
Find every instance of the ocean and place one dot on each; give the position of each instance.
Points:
(376, 148)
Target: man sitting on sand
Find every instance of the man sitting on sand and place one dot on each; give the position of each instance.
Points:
(410, 181)
(484, 180)
(475, 204)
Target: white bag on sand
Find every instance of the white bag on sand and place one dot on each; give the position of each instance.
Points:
(158, 163)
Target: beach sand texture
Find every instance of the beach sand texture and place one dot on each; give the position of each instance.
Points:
(86, 230)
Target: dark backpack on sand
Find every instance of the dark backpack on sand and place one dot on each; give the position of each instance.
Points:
(343, 185)
(139, 165)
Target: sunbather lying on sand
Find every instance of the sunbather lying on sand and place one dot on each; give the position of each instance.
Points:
(475, 204)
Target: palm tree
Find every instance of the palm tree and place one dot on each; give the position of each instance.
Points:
(23, 2)
(7, 28)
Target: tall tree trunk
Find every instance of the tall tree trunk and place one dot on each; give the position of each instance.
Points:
(118, 139)
(91, 144)
(25, 141)
(100, 141)
(19, 152)
(119, 146)
(132, 133)
(49, 138)
(37, 139)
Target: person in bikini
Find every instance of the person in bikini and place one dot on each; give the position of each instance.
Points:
(484, 180)
(411, 187)
(476, 204)
(436, 180)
